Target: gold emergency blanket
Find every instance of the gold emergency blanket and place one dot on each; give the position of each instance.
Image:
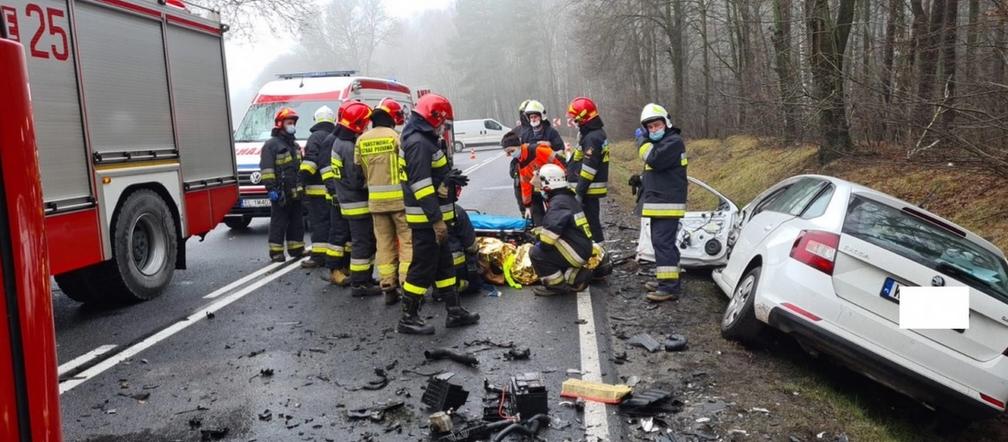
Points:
(492, 254)
(522, 271)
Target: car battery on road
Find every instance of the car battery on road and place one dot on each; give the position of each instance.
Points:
(527, 395)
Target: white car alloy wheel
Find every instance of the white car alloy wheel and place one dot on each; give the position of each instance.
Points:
(739, 299)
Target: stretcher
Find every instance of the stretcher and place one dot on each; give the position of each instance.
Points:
(505, 228)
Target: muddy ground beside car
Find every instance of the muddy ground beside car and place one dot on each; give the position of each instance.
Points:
(772, 390)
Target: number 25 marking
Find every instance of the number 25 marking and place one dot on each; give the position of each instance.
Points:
(47, 19)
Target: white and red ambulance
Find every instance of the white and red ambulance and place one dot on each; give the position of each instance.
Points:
(304, 92)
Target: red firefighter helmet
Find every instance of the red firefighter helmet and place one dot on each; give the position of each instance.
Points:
(435, 109)
(394, 109)
(354, 115)
(284, 114)
(582, 110)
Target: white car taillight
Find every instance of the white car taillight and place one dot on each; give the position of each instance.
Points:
(817, 249)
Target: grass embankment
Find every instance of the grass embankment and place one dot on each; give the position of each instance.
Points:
(741, 167)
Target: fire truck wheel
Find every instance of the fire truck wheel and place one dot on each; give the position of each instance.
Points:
(77, 285)
(144, 246)
(238, 222)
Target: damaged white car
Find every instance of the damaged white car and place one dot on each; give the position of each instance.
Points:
(824, 259)
(703, 235)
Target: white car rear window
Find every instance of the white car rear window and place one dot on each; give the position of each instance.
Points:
(928, 244)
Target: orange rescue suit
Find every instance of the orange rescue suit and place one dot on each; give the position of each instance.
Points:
(529, 162)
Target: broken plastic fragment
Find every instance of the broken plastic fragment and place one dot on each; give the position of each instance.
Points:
(645, 341)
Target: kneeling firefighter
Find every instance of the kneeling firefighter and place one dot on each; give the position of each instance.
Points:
(565, 238)
(663, 195)
(279, 162)
(352, 193)
(427, 213)
(462, 241)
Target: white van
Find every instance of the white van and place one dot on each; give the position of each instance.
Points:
(478, 133)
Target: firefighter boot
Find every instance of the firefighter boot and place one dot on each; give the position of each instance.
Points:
(278, 257)
(340, 277)
(311, 263)
(457, 315)
(553, 290)
(391, 295)
(364, 290)
(410, 323)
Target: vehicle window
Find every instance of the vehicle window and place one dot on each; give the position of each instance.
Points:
(258, 121)
(932, 246)
(793, 200)
(492, 125)
(762, 205)
(818, 206)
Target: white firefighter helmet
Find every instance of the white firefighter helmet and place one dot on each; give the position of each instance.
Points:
(654, 112)
(535, 107)
(324, 113)
(521, 107)
(552, 177)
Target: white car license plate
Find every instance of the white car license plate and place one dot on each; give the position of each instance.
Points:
(891, 290)
(255, 202)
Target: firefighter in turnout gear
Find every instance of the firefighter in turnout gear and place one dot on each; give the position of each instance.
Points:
(315, 191)
(462, 242)
(664, 196)
(539, 130)
(352, 193)
(588, 169)
(428, 210)
(565, 239)
(377, 154)
(530, 157)
(279, 161)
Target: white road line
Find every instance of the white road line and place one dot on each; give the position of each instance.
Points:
(474, 167)
(165, 333)
(596, 423)
(241, 281)
(510, 186)
(83, 359)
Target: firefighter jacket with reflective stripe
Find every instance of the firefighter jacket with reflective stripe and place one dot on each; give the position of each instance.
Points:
(546, 132)
(664, 180)
(348, 179)
(588, 168)
(426, 167)
(279, 161)
(377, 154)
(316, 157)
(565, 227)
(530, 159)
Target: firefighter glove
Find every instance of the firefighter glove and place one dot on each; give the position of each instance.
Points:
(440, 231)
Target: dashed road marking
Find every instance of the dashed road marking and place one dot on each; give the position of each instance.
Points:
(167, 332)
(83, 359)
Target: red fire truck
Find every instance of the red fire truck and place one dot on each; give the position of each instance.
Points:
(29, 388)
(133, 124)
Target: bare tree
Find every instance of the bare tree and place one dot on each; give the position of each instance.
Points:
(348, 33)
(827, 45)
(246, 17)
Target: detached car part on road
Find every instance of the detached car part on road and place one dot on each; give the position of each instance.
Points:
(823, 260)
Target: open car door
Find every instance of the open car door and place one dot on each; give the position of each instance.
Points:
(703, 234)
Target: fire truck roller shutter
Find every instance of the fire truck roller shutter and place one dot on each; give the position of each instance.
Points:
(125, 81)
(201, 105)
(55, 105)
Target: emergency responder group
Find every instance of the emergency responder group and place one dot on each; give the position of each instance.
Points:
(377, 199)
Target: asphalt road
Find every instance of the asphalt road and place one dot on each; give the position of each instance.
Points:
(285, 355)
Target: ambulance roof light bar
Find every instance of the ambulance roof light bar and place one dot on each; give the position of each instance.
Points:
(320, 74)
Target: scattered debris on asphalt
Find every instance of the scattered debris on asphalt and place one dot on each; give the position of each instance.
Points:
(649, 403)
(139, 397)
(376, 413)
(214, 433)
(759, 410)
(594, 391)
(442, 395)
(645, 341)
(195, 423)
(518, 355)
(266, 415)
(676, 343)
(441, 422)
(210, 315)
(447, 353)
(198, 408)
